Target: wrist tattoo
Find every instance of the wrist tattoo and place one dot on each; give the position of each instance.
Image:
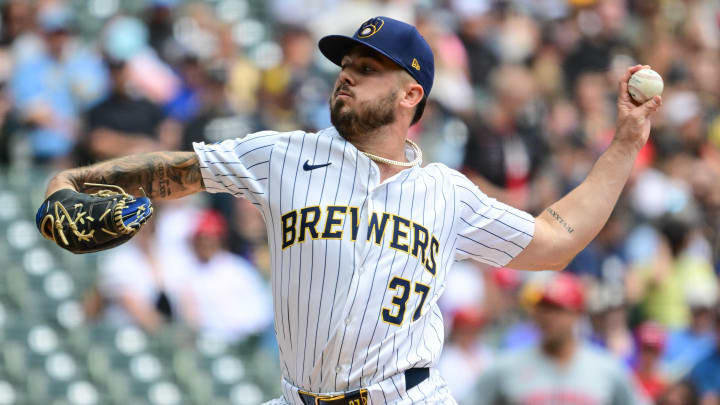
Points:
(159, 174)
(560, 220)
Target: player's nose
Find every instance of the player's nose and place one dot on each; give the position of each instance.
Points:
(345, 77)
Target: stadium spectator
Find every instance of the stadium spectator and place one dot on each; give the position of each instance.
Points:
(141, 286)
(17, 19)
(609, 320)
(292, 94)
(126, 122)
(661, 286)
(465, 356)
(224, 295)
(705, 376)
(159, 20)
(605, 259)
(686, 347)
(510, 149)
(185, 104)
(651, 339)
(215, 120)
(54, 79)
(680, 393)
(562, 368)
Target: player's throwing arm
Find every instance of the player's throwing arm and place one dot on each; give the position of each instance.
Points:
(567, 226)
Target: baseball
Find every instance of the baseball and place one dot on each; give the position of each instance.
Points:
(644, 85)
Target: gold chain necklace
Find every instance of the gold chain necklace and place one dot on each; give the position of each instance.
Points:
(415, 148)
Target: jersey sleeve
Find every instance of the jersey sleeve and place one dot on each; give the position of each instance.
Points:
(488, 230)
(240, 167)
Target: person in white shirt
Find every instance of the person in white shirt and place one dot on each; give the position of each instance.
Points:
(224, 295)
(138, 285)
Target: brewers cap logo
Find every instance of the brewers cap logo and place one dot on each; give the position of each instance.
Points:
(370, 27)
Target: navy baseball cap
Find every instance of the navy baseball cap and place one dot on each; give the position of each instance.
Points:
(399, 41)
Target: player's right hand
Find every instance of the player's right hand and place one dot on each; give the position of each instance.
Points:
(633, 120)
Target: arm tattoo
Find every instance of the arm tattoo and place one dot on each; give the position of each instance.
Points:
(562, 222)
(159, 174)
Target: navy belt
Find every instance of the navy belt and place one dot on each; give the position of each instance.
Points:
(413, 377)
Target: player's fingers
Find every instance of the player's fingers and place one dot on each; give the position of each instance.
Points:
(623, 94)
(651, 105)
(629, 72)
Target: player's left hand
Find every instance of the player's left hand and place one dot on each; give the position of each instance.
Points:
(633, 120)
(85, 223)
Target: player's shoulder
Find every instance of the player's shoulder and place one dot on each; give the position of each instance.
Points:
(255, 140)
(290, 137)
(269, 136)
(448, 174)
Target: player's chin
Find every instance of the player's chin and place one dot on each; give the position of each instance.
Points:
(339, 106)
(340, 101)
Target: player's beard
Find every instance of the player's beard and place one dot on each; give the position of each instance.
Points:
(365, 118)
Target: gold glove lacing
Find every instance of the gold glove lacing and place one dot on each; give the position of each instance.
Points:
(62, 215)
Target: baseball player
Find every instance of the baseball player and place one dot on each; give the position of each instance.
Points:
(362, 236)
(561, 369)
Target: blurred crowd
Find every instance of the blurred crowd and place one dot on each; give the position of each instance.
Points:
(523, 104)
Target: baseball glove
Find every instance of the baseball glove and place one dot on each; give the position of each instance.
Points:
(85, 223)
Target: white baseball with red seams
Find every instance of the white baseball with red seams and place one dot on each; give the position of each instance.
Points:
(645, 84)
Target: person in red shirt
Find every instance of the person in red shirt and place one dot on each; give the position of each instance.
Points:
(651, 339)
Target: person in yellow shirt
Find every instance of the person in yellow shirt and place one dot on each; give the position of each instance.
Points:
(661, 287)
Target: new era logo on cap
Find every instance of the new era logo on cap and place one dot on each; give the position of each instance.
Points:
(399, 41)
(415, 64)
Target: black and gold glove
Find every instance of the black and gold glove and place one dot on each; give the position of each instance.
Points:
(85, 223)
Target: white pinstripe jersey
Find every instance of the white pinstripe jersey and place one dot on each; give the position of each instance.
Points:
(358, 265)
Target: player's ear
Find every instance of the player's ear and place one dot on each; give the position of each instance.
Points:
(412, 94)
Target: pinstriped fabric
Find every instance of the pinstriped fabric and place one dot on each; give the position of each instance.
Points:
(489, 231)
(358, 265)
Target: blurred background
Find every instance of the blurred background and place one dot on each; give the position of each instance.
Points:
(523, 104)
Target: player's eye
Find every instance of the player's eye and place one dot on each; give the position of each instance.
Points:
(367, 69)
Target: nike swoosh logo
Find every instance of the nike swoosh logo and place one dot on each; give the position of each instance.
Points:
(307, 166)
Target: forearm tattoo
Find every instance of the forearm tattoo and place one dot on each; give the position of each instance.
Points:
(158, 174)
(560, 220)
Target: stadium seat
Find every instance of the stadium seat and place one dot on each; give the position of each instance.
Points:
(146, 368)
(69, 314)
(82, 393)
(246, 394)
(61, 366)
(11, 206)
(165, 393)
(18, 290)
(119, 390)
(8, 394)
(130, 340)
(21, 234)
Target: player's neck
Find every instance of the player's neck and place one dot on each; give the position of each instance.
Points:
(387, 142)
